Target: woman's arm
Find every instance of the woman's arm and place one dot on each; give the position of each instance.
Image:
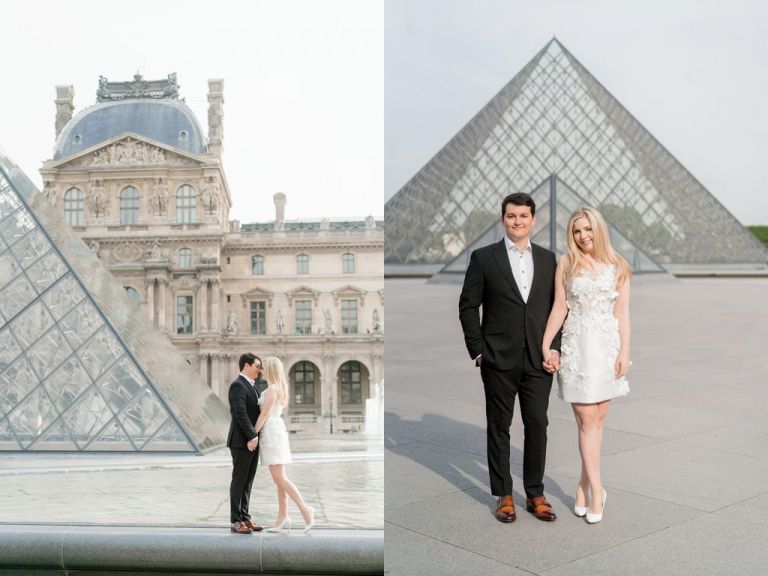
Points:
(558, 313)
(269, 400)
(621, 310)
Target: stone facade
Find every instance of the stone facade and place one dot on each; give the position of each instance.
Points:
(310, 292)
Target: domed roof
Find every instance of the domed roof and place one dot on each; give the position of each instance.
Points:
(166, 120)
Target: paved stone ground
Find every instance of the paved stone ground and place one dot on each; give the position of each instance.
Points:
(342, 478)
(685, 458)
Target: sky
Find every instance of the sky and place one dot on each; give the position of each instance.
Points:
(693, 72)
(303, 88)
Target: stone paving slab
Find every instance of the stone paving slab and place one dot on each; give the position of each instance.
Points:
(409, 553)
(704, 546)
(346, 486)
(682, 456)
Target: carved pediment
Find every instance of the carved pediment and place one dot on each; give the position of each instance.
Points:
(130, 151)
(302, 293)
(257, 294)
(349, 292)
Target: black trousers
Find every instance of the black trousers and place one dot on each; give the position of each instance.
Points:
(532, 385)
(244, 464)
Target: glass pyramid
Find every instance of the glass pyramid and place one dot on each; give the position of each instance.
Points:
(80, 370)
(554, 117)
(555, 201)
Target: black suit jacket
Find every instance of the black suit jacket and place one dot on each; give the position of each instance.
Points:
(508, 321)
(244, 409)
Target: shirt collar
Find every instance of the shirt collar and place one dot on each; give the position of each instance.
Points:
(511, 245)
(251, 381)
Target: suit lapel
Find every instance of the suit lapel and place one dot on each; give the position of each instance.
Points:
(502, 259)
(538, 268)
(248, 386)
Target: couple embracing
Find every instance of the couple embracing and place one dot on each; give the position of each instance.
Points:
(257, 430)
(541, 317)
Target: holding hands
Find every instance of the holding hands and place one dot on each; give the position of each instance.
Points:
(551, 360)
(253, 443)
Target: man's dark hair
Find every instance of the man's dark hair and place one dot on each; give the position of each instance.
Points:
(518, 199)
(248, 358)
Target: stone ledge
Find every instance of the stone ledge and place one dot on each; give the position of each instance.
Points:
(64, 549)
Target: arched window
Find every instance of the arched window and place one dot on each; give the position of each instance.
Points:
(348, 263)
(186, 205)
(129, 205)
(304, 377)
(185, 258)
(257, 265)
(302, 264)
(133, 294)
(74, 207)
(351, 383)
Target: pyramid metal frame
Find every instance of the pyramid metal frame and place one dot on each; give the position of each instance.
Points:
(555, 201)
(555, 117)
(80, 368)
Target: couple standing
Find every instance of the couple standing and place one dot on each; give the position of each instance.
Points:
(257, 430)
(526, 298)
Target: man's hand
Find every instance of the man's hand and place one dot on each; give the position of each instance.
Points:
(253, 443)
(479, 361)
(551, 361)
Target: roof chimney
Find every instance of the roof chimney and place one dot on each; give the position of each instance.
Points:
(280, 201)
(65, 98)
(215, 116)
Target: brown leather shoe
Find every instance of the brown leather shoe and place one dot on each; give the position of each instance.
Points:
(505, 509)
(540, 508)
(252, 526)
(241, 528)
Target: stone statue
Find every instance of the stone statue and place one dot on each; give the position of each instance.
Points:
(155, 253)
(232, 327)
(210, 195)
(370, 223)
(376, 320)
(97, 199)
(49, 193)
(325, 224)
(280, 322)
(160, 196)
(328, 321)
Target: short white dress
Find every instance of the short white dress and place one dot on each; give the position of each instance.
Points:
(590, 341)
(273, 436)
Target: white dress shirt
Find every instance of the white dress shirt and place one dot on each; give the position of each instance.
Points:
(521, 262)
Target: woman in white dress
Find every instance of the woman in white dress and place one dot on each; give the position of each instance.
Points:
(274, 450)
(592, 307)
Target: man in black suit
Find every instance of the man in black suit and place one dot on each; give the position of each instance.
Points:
(514, 282)
(243, 442)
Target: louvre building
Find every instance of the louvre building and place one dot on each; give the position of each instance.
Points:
(127, 294)
(554, 131)
(78, 369)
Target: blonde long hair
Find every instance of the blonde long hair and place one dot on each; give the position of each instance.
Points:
(274, 373)
(575, 260)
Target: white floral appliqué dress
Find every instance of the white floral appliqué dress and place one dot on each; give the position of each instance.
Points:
(590, 341)
(273, 437)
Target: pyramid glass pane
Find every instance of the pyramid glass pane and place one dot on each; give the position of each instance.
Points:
(554, 117)
(555, 202)
(68, 379)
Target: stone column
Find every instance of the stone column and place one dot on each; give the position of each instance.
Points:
(328, 391)
(203, 360)
(215, 300)
(151, 300)
(203, 292)
(162, 313)
(215, 375)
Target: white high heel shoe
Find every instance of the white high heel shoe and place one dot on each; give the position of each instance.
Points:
(581, 511)
(594, 518)
(311, 522)
(280, 525)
